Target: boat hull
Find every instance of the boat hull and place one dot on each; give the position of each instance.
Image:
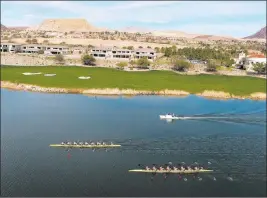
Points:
(85, 146)
(172, 171)
(172, 117)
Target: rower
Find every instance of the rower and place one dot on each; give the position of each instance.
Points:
(86, 143)
(62, 143)
(147, 168)
(175, 169)
(104, 143)
(80, 143)
(98, 143)
(69, 143)
(182, 168)
(93, 143)
(167, 168)
(74, 143)
(161, 168)
(111, 143)
(201, 168)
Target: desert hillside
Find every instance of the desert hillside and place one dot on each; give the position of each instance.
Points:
(261, 34)
(213, 37)
(65, 25)
(3, 27)
(18, 28)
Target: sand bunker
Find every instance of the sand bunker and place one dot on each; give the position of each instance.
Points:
(29, 73)
(49, 74)
(84, 77)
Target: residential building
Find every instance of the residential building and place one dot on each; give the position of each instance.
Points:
(56, 49)
(122, 53)
(247, 62)
(118, 53)
(78, 50)
(48, 50)
(102, 52)
(145, 52)
(32, 48)
(10, 47)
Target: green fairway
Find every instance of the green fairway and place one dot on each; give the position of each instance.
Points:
(67, 77)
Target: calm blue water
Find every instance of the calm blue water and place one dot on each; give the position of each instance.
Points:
(235, 146)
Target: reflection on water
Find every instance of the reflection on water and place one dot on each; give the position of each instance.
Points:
(232, 144)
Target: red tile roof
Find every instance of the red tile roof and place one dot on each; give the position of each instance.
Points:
(253, 55)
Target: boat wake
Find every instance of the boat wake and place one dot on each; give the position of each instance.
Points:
(252, 117)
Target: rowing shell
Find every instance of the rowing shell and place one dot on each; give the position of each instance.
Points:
(85, 146)
(171, 171)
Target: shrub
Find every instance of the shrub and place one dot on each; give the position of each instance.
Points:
(45, 42)
(59, 58)
(211, 66)
(132, 63)
(41, 52)
(34, 41)
(181, 65)
(121, 65)
(130, 47)
(88, 60)
(143, 63)
(260, 68)
(28, 41)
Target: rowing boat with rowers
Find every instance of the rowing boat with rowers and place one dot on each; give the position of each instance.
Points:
(85, 145)
(171, 171)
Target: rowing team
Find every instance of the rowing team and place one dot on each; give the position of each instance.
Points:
(174, 168)
(84, 143)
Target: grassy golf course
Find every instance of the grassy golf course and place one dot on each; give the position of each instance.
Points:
(67, 77)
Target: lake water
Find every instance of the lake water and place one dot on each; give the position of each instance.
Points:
(234, 146)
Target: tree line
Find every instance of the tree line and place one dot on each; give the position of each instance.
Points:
(202, 54)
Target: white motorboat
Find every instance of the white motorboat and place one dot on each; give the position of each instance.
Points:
(173, 117)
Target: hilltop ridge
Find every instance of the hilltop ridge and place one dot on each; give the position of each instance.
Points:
(261, 34)
(65, 25)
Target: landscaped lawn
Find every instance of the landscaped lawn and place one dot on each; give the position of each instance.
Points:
(67, 77)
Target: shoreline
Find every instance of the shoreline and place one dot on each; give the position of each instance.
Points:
(128, 92)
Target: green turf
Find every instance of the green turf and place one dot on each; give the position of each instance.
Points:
(67, 77)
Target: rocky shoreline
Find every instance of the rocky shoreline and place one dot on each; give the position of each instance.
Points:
(116, 91)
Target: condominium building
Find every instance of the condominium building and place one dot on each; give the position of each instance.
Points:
(10, 47)
(145, 52)
(118, 53)
(48, 50)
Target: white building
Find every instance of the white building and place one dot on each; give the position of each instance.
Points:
(32, 48)
(253, 59)
(10, 47)
(248, 61)
(145, 52)
(48, 50)
(118, 53)
(111, 52)
(56, 49)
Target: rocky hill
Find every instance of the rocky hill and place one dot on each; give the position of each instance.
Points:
(258, 35)
(65, 25)
(3, 27)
